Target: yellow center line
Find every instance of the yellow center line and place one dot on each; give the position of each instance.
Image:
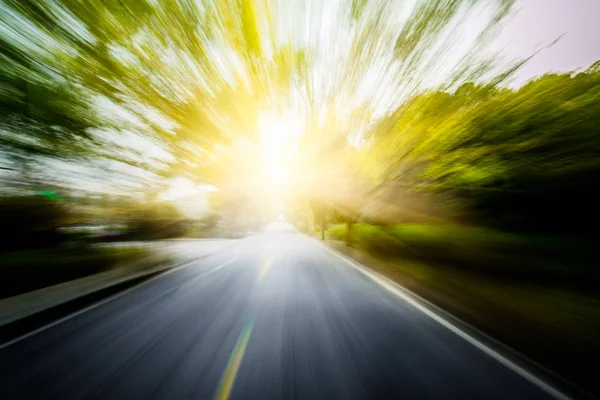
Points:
(233, 365)
(265, 267)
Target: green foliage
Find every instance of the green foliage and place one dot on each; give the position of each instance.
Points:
(484, 251)
(197, 76)
(524, 158)
(336, 231)
(194, 78)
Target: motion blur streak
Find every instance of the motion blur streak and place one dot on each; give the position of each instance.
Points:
(453, 146)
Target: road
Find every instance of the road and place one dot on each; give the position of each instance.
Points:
(275, 316)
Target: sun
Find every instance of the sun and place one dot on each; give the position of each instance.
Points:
(279, 132)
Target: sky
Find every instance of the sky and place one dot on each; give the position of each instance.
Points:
(539, 22)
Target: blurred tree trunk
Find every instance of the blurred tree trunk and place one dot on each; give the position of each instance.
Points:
(348, 238)
(310, 218)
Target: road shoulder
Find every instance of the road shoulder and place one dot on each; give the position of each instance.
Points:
(434, 306)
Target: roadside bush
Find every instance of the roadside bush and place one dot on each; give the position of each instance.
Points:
(30, 222)
(377, 240)
(370, 237)
(157, 221)
(481, 250)
(336, 232)
(23, 271)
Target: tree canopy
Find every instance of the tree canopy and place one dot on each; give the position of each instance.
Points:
(330, 103)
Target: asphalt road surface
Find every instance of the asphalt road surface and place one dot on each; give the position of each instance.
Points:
(274, 316)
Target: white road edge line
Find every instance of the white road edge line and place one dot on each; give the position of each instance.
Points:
(402, 293)
(111, 298)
